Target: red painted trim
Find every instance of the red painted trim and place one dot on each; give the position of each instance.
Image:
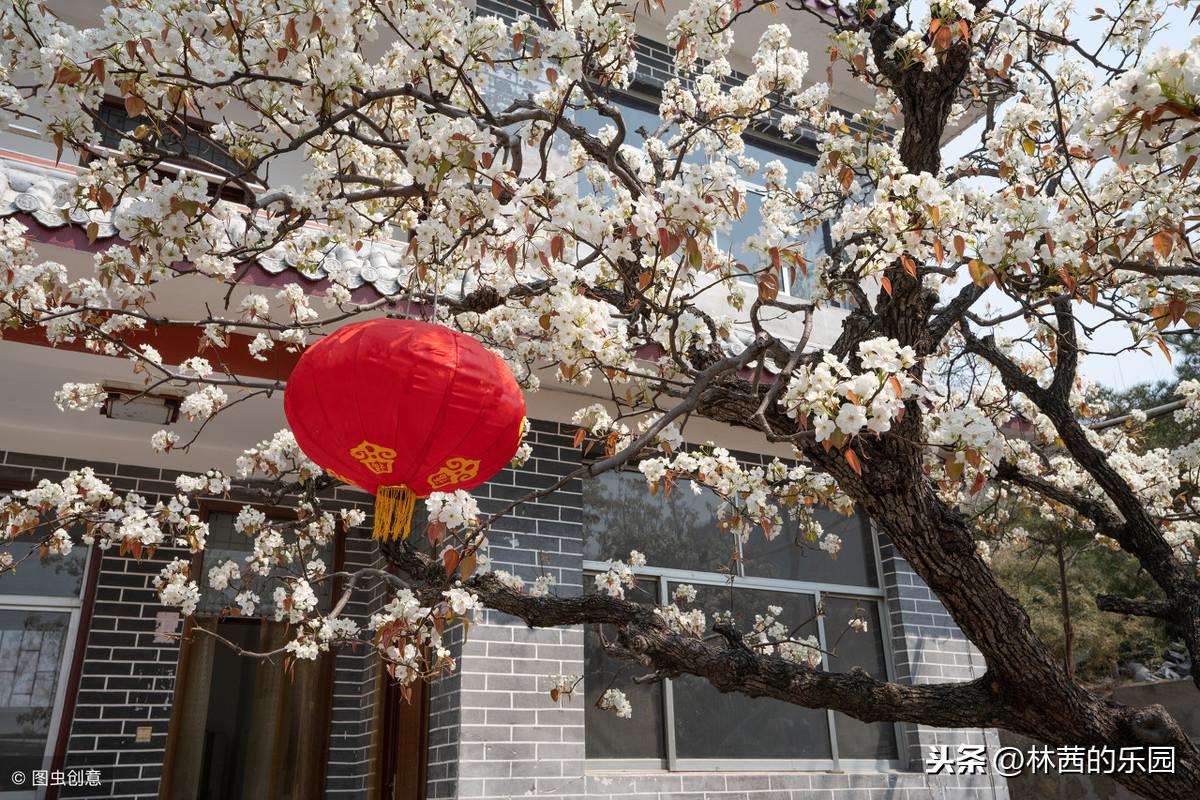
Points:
(177, 343)
(13, 155)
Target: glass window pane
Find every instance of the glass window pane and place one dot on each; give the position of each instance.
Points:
(849, 648)
(709, 724)
(606, 734)
(789, 556)
(225, 543)
(56, 576)
(741, 229)
(637, 118)
(31, 653)
(678, 531)
(746, 226)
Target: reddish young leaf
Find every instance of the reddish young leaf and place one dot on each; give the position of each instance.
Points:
(434, 532)
(1164, 243)
(466, 567)
(134, 105)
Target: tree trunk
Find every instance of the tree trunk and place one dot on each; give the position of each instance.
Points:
(1065, 603)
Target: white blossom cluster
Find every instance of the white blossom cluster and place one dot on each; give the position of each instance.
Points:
(405, 630)
(176, 589)
(457, 509)
(839, 403)
(614, 700)
(752, 496)
(619, 575)
(689, 623)
(770, 635)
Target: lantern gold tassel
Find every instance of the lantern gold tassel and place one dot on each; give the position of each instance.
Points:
(394, 507)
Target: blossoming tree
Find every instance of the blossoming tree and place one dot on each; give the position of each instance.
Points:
(974, 285)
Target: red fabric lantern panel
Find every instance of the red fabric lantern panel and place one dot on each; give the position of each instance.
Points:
(403, 408)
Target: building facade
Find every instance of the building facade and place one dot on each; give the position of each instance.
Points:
(115, 696)
(492, 729)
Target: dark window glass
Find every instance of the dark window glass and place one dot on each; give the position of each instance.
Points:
(225, 543)
(789, 556)
(609, 736)
(31, 652)
(115, 123)
(747, 225)
(677, 529)
(56, 576)
(680, 531)
(849, 648)
(709, 724)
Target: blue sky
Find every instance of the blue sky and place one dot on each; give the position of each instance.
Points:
(1130, 368)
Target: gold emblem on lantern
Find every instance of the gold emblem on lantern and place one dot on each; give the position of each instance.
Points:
(453, 472)
(374, 457)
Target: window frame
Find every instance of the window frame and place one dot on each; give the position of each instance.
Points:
(78, 607)
(663, 577)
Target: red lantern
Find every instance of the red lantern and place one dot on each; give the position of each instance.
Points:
(402, 409)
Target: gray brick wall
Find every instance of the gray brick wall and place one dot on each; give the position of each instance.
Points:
(511, 739)
(928, 648)
(349, 772)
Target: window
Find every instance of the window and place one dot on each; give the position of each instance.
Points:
(642, 114)
(191, 149)
(40, 608)
(747, 225)
(687, 724)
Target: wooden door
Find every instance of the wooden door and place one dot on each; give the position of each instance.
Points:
(244, 728)
(401, 741)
